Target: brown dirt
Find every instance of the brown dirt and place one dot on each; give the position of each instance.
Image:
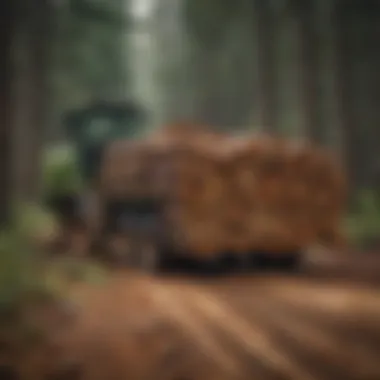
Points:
(300, 327)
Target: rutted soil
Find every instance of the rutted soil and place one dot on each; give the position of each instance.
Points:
(312, 325)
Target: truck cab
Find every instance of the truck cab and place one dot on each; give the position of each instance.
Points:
(89, 130)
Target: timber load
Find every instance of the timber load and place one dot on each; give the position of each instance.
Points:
(226, 193)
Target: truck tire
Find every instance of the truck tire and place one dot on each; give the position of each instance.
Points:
(290, 262)
(135, 255)
(285, 262)
(145, 257)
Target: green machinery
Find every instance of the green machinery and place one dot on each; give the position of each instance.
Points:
(89, 130)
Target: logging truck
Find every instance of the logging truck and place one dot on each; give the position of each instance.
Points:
(191, 195)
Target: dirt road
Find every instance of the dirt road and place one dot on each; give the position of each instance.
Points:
(308, 326)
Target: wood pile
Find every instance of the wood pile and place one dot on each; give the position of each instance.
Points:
(224, 193)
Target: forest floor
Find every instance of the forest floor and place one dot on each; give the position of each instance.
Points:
(320, 323)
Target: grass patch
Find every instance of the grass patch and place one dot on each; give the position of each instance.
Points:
(363, 223)
(61, 174)
(26, 275)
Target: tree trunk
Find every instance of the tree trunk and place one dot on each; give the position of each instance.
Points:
(209, 110)
(7, 24)
(375, 99)
(309, 58)
(41, 45)
(342, 26)
(238, 76)
(32, 96)
(267, 94)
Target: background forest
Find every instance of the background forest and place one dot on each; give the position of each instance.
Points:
(297, 68)
(303, 69)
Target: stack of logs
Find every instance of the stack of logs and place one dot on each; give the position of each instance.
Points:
(226, 193)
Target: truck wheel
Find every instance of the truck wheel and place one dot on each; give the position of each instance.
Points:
(146, 257)
(257, 261)
(230, 263)
(290, 262)
(264, 261)
(133, 254)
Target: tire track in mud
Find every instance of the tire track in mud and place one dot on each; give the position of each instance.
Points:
(295, 329)
(272, 327)
(307, 326)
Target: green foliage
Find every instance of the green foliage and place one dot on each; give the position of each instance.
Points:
(97, 11)
(32, 221)
(60, 172)
(24, 273)
(89, 51)
(16, 274)
(20, 261)
(363, 225)
(206, 21)
(67, 270)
